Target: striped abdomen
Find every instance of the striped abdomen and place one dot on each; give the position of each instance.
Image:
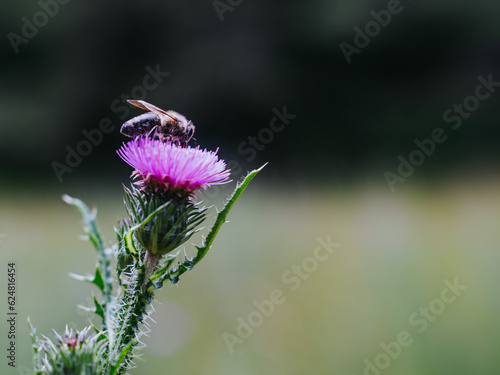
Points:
(140, 125)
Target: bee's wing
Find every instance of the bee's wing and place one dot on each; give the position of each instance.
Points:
(149, 107)
(139, 103)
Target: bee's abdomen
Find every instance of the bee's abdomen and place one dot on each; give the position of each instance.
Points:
(140, 125)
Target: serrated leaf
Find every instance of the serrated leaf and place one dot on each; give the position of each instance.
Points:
(98, 279)
(102, 277)
(221, 219)
(98, 308)
(159, 276)
(88, 220)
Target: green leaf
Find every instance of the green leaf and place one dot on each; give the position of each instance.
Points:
(98, 308)
(98, 279)
(129, 243)
(102, 276)
(221, 219)
(113, 370)
(89, 221)
(158, 277)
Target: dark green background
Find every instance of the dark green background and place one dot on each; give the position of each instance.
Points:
(228, 76)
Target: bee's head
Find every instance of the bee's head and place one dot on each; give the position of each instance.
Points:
(189, 130)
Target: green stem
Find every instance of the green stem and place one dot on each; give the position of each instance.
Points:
(131, 310)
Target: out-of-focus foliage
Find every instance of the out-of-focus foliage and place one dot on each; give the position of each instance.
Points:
(395, 252)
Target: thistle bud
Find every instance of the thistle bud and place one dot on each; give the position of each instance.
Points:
(72, 353)
(161, 226)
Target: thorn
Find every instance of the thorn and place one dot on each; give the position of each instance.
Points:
(68, 199)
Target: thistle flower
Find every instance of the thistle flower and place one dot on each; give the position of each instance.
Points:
(161, 208)
(166, 168)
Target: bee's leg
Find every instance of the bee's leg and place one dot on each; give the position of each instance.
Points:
(153, 133)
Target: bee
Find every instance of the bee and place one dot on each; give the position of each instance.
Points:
(167, 126)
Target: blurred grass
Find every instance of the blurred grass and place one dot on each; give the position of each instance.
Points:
(395, 251)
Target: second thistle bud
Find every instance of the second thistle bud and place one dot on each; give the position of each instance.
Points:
(74, 353)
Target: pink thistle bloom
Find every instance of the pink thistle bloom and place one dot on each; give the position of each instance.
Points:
(164, 167)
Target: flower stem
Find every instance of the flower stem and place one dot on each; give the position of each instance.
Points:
(150, 262)
(131, 311)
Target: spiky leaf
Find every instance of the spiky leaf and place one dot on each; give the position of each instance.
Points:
(202, 250)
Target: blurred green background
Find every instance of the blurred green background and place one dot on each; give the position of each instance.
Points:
(325, 178)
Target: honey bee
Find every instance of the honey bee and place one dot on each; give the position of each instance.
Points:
(167, 126)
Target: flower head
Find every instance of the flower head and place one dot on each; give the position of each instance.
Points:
(75, 353)
(164, 167)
